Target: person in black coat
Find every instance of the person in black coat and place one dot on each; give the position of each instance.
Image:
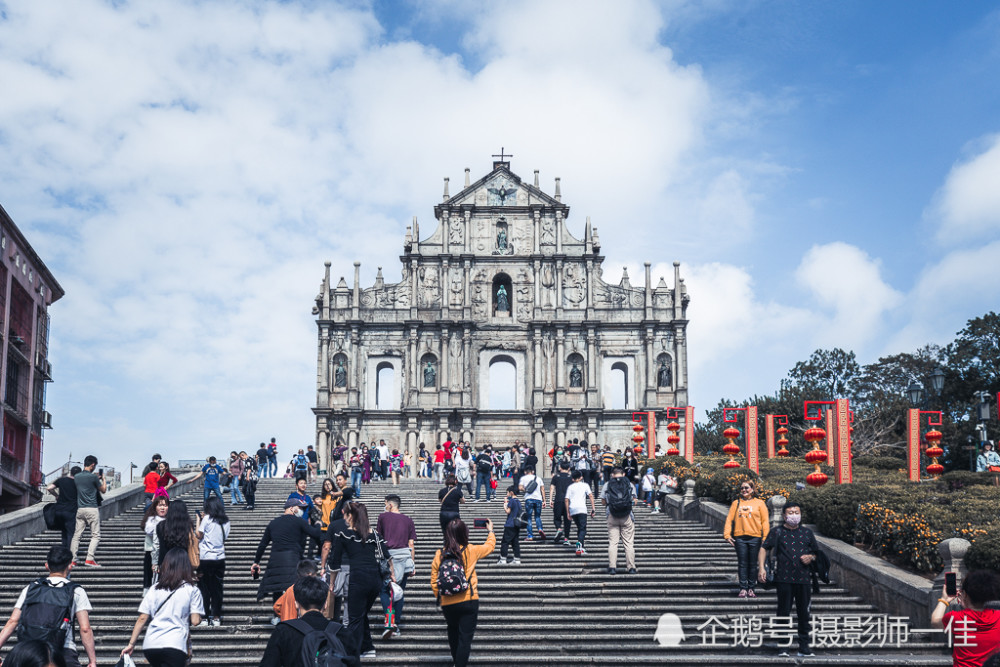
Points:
(287, 534)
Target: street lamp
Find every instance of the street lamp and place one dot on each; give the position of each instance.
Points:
(915, 392)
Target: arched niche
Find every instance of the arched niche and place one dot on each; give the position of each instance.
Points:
(428, 375)
(340, 372)
(618, 383)
(664, 372)
(502, 301)
(576, 372)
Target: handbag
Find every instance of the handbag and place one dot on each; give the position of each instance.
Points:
(125, 661)
(994, 469)
(194, 554)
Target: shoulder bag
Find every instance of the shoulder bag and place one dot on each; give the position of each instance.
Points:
(194, 554)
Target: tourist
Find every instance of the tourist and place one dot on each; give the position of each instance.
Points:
(272, 457)
(152, 465)
(88, 486)
(299, 465)
(463, 469)
(212, 472)
(150, 483)
(171, 607)
(400, 535)
(484, 472)
(630, 465)
(287, 534)
(974, 629)
(366, 465)
(236, 468)
(155, 514)
(167, 480)
(648, 487)
(356, 467)
(439, 458)
(796, 547)
(176, 531)
(395, 466)
(284, 647)
(450, 497)
(31, 612)
(284, 607)
(407, 463)
(328, 499)
(989, 461)
(251, 473)
(339, 580)
(262, 461)
(460, 608)
(608, 462)
(511, 529)
(364, 548)
(747, 526)
(383, 459)
(529, 460)
(534, 499)
(36, 653)
(619, 496)
(576, 507)
(666, 484)
(313, 462)
(67, 503)
(302, 496)
(557, 499)
(213, 530)
(344, 494)
(423, 462)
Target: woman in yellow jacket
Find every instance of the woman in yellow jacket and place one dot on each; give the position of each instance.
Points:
(461, 611)
(746, 527)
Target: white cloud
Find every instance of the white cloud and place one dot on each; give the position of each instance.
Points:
(968, 204)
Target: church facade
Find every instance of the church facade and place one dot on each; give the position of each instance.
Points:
(502, 330)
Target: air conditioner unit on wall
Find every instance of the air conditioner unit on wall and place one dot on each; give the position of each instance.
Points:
(46, 419)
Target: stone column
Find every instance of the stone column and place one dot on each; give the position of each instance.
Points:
(445, 231)
(322, 446)
(409, 370)
(536, 223)
(777, 505)
(411, 447)
(952, 552)
(559, 235)
(591, 361)
(443, 380)
(470, 365)
(650, 369)
(445, 288)
(538, 359)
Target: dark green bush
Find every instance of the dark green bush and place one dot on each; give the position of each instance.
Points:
(984, 553)
(957, 480)
(878, 462)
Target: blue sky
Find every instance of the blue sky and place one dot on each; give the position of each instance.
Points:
(827, 173)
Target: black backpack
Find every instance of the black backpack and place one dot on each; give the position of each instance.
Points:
(483, 465)
(46, 613)
(451, 575)
(619, 497)
(320, 648)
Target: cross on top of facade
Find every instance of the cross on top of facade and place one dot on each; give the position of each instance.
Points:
(502, 156)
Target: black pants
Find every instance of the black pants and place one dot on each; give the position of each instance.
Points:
(147, 569)
(607, 474)
(561, 518)
(581, 527)
(210, 582)
(67, 525)
(250, 491)
(446, 518)
(72, 658)
(461, 619)
(802, 594)
(362, 591)
(511, 538)
(165, 657)
(747, 549)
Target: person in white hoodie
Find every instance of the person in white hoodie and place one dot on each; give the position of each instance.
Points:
(155, 513)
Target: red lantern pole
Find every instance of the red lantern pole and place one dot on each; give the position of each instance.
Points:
(913, 442)
(770, 432)
(750, 412)
(687, 414)
(843, 417)
(783, 442)
(815, 456)
(650, 420)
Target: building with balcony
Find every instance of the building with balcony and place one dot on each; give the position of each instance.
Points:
(27, 288)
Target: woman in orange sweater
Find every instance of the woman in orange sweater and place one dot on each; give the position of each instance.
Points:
(461, 611)
(746, 527)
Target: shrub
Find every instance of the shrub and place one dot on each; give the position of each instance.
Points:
(878, 462)
(985, 552)
(834, 507)
(956, 480)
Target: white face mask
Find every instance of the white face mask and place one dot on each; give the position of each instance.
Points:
(298, 512)
(793, 519)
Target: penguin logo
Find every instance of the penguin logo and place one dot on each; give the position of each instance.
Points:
(669, 631)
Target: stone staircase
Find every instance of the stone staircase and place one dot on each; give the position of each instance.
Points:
(555, 609)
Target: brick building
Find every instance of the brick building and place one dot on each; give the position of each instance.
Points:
(27, 288)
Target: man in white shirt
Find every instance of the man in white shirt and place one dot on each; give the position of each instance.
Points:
(534, 500)
(47, 592)
(576, 507)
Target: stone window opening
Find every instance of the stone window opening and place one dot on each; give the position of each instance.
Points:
(503, 383)
(619, 398)
(385, 382)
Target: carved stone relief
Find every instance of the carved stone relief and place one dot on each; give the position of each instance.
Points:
(574, 287)
(456, 235)
(548, 235)
(548, 281)
(430, 294)
(456, 289)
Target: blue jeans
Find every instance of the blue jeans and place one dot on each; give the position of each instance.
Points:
(214, 488)
(356, 482)
(534, 509)
(234, 492)
(272, 464)
(483, 479)
(264, 469)
(747, 549)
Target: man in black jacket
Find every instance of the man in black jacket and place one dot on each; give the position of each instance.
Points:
(284, 648)
(484, 473)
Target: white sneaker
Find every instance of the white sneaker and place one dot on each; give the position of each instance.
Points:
(502, 561)
(204, 622)
(516, 561)
(368, 654)
(216, 622)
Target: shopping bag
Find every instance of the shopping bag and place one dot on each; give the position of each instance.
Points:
(125, 661)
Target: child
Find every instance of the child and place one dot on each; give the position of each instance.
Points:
(284, 608)
(511, 529)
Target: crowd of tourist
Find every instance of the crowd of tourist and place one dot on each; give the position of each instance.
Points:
(330, 561)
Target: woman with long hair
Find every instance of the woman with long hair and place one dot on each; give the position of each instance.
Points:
(746, 528)
(34, 653)
(366, 465)
(395, 466)
(461, 610)
(213, 529)
(463, 469)
(251, 473)
(450, 497)
(167, 480)
(176, 531)
(155, 513)
(170, 607)
(630, 465)
(328, 502)
(363, 548)
(236, 467)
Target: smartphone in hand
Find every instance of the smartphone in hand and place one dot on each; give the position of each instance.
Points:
(479, 523)
(950, 584)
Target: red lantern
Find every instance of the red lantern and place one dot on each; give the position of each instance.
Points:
(638, 437)
(673, 439)
(782, 442)
(933, 437)
(815, 456)
(731, 447)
